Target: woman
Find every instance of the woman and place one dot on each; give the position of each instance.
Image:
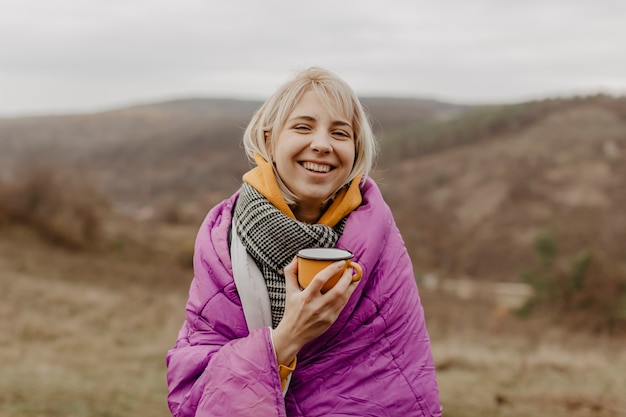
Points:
(255, 344)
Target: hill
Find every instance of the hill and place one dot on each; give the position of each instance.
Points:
(142, 153)
(472, 188)
(475, 193)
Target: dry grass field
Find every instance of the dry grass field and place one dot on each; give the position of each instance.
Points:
(85, 334)
(492, 363)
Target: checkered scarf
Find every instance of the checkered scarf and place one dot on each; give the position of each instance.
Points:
(272, 239)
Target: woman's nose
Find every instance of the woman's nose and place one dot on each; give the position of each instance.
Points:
(321, 143)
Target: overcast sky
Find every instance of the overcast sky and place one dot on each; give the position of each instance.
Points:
(61, 56)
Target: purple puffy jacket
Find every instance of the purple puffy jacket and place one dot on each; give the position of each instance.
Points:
(375, 360)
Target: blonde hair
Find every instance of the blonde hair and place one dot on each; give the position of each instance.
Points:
(271, 118)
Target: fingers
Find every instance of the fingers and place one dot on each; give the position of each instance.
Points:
(345, 286)
(308, 313)
(346, 279)
(315, 286)
(291, 276)
(324, 275)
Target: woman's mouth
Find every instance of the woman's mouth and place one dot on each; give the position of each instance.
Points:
(312, 166)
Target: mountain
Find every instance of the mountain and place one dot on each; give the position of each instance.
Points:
(473, 188)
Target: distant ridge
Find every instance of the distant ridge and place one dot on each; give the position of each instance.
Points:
(198, 104)
(195, 138)
(471, 187)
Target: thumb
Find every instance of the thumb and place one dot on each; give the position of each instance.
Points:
(291, 276)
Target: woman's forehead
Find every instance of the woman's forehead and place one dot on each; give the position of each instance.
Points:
(315, 101)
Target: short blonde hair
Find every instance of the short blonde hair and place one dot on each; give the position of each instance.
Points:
(271, 118)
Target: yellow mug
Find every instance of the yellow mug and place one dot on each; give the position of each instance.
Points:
(313, 260)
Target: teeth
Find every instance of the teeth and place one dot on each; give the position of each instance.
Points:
(316, 167)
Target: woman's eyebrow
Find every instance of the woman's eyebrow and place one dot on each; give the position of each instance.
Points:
(313, 119)
(307, 118)
(342, 123)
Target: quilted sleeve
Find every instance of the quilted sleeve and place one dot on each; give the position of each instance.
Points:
(209, 375)
(217, 367)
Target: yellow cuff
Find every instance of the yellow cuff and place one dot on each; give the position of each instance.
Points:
(285, 371)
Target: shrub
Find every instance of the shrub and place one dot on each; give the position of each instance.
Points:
(579, 291)
(63, 209)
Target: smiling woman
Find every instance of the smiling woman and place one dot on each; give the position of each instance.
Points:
(302, 106)
(314, 154)
(254, 343)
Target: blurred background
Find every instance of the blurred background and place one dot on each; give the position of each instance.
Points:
(502, 131)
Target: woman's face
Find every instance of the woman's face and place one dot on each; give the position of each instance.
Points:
(314, 152)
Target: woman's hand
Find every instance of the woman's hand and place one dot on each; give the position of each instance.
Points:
(308, 312)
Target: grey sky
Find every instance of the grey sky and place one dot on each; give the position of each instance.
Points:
(86, 55)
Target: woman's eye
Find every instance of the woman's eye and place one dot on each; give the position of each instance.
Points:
(342, 134)
(301, 127)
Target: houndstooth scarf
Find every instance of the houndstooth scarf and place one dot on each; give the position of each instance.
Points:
(272, 239)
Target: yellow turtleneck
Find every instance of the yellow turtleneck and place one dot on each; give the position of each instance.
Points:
(263, 179)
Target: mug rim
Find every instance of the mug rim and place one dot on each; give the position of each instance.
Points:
(313, 254)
